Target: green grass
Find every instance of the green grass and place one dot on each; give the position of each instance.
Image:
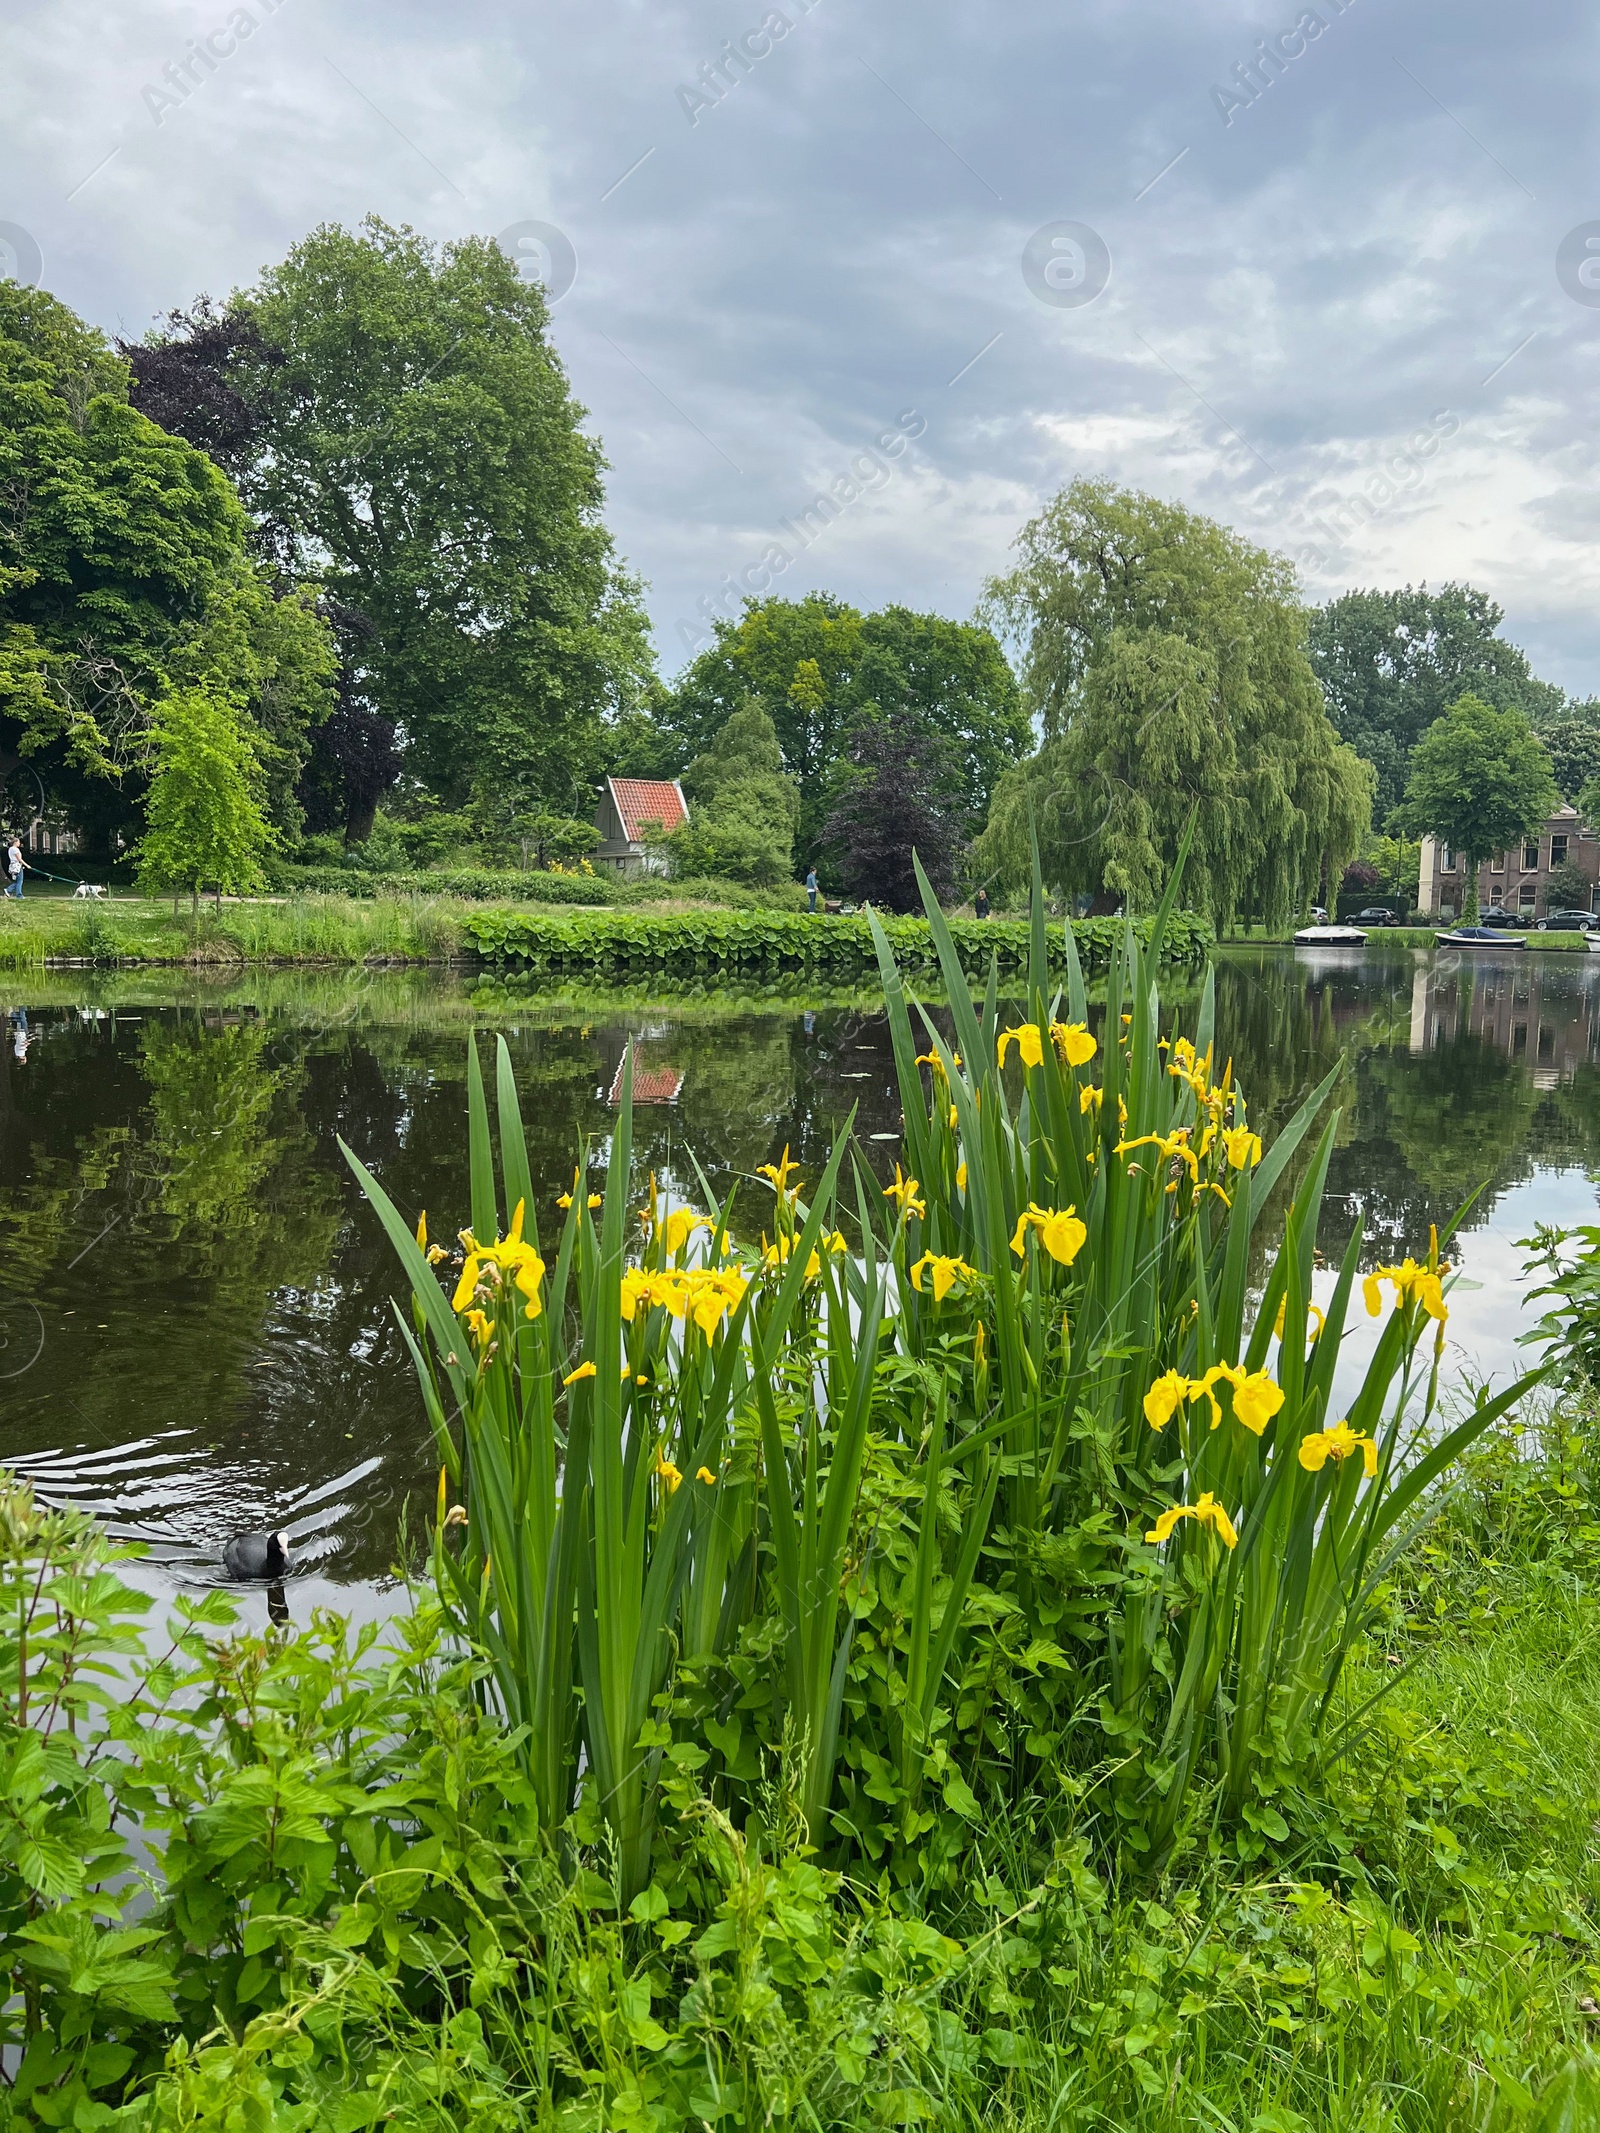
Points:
(309, 929)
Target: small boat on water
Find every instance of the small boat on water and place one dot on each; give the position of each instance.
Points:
(1330, 937)
(1479, 937)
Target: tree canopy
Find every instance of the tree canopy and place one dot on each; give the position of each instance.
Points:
(890, 809)
(421, 448)
(125, 572)
(1480, 779)
(207, 827)
(823, 669)
(404, 436)
(1572, 742)
(1165, 661)
(743, 807)
(1391, 662)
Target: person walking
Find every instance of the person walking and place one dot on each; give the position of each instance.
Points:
(14, 866)
(980, 903)
(811, 888)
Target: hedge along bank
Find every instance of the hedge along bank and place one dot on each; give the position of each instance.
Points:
(778, 941)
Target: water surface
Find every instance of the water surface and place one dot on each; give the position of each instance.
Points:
(194, 1298)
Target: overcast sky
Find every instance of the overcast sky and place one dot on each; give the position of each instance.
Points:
(856, 227)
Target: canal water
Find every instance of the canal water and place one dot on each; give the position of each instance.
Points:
(195, 1329)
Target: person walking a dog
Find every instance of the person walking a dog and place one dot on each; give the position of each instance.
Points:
(15, 865)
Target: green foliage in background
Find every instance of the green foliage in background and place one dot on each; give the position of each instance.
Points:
(419, 444)
(822, 669)
(743, 807)
(1390, 664)
(206, 826)
(1165, 662)
(127, 576)
(777, 941)
(1479, 781)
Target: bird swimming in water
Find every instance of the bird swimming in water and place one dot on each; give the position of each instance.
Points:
(257, 1555)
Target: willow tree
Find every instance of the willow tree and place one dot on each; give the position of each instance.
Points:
(1164, 660)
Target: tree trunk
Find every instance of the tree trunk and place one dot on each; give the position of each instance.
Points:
(1469, 893)
(358, 823)
(194, 901)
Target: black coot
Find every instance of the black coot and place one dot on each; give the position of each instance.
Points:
(257, 1555)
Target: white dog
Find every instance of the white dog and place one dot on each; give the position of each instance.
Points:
(90, 888)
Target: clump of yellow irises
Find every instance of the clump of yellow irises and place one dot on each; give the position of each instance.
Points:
(1256, 1396)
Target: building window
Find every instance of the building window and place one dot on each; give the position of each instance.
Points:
(1527, 897)
(1497, 865)
(1558, 851)
(1447, 861)
(1530, 856)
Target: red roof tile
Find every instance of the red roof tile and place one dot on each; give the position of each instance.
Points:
(642, 800)
(651, 1085)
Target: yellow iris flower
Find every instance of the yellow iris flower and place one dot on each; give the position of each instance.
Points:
(1243, 1147)
(1059, 1230)
(1409, 1279)
(680, 1226)
(1209, 1513)
(1256, 1396)
(707, 1295)
(670, 1475)
(1073, 1042)
(778, 1173)
(1165, 1397)
(904, 1192)
(507, 1256)
(946, 1273)
(1029, 1041)
(1174, 1146)
(584, 1370)
(1337, 1443)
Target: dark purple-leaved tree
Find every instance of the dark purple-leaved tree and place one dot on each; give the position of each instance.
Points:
(896, 803)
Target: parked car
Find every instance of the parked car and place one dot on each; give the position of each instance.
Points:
(1569, 922)
(1503, 919)
(1378, 915)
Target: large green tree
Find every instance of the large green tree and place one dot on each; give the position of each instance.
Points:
(207, 826)
(823, 670)
(1480, 779)
(1165, 661)
(1390, 662)
(416, 448)
(125, 572)
(1572, 741)
(743, 806)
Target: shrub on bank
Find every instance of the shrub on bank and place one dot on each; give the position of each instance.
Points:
(475, 884)
(777, 942)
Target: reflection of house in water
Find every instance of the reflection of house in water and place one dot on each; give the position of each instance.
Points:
(651, 1084)
(1546, 1016)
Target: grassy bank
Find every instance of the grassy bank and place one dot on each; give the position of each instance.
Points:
(772, 943)
(311, 929)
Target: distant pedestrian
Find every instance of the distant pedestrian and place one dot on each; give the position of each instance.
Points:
(811, 889)
(980, 903)
(14, 867)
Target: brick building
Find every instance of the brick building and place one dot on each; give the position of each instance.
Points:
(1514, 880)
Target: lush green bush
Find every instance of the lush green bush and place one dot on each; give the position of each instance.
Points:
(703, 889)
(834, 947)
(474, 883)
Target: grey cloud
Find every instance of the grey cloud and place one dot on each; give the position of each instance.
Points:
(843, 230)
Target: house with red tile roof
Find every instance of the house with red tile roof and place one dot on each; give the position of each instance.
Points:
(631, 808)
